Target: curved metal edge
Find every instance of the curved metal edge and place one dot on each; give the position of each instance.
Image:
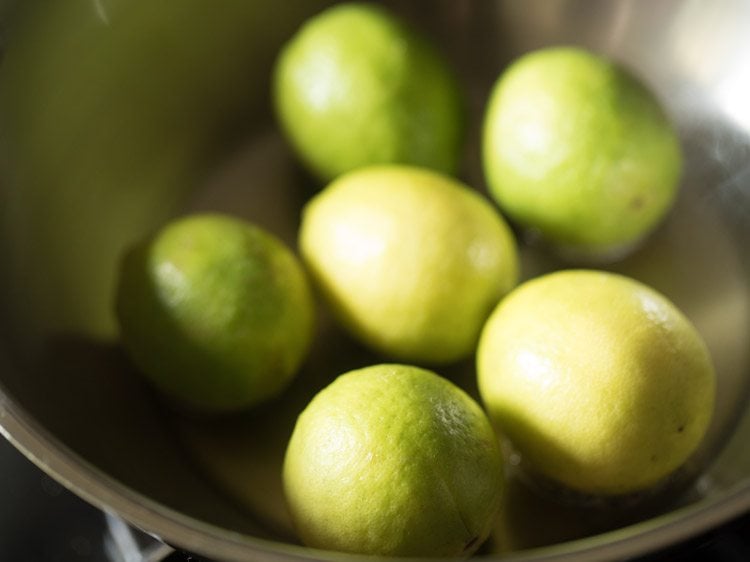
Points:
(172, 527)
(111, 496)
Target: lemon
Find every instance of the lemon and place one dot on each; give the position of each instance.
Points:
(356, 86)
(216, 312)
(410, 261)
(599, 382)
(579, 150)
(393, 460)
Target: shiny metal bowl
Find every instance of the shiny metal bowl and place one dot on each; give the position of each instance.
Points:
(117, 115)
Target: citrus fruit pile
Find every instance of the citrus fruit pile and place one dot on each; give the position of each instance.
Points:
(597, 381)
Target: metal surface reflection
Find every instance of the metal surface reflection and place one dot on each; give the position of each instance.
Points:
(118, 115)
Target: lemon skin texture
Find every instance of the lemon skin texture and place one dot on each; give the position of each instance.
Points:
(356, 86)
(597, 380)
(393, 460)
(215, 312)
(410, 261)
(578, 150)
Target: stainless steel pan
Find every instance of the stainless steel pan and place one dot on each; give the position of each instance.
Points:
(118, 114)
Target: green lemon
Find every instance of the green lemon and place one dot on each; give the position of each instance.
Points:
(396, 461)
(579, 150)
(600, 382)
(216, 312)
(356, 86)
(410, 261)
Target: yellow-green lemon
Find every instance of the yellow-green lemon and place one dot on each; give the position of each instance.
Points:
(600, 383)
(410, 261)
(393, 460)
(579, 150)
(216, 312)
(357, 86)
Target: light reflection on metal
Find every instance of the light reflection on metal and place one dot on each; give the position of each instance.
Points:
(101, 11)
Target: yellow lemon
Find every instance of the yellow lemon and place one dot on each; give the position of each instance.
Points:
(410, 261)
(393, 460)
(599, 382)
